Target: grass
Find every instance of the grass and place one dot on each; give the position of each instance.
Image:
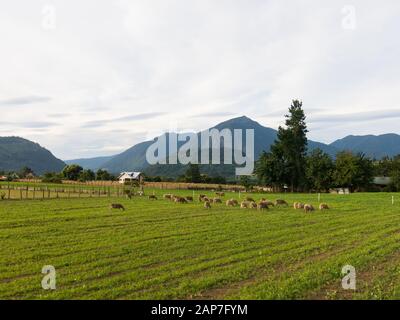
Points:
(162, 250)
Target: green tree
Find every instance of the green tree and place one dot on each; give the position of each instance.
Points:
(25, 171)
(353, 171)
(193, 173)
(86, 175)
(270, 169)
(104, 175)
(72, 172)
(291, 147)
(319, 170)
(51, 177)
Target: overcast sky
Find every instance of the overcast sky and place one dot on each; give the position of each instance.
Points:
(94, 77)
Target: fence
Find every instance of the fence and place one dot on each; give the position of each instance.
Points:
(24, 192)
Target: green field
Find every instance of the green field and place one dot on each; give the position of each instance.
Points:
(162, 250)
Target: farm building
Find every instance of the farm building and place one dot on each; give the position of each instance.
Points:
(382, 181)
(126, 177)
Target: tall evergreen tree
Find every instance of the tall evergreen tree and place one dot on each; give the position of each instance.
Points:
(292, 145)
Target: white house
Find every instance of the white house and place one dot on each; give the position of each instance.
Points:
(382, 181)
(126, 177)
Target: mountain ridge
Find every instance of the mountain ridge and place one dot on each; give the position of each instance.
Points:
(17, 152)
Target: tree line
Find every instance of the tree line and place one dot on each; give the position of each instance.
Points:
(289, 165)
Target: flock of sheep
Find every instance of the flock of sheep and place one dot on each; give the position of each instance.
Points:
(248, 203)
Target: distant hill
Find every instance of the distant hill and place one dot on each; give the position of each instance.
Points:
(90, 163)
(373, 146)
(134, 159)
(16, 153)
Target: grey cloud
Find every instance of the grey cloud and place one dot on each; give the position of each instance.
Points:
(30, 124)
(24, 100)
(357, 116)
(213, 114)
(136, 117)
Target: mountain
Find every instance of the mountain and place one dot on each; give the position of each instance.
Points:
(134, 159)
(373, 146)
(90, 163)
(16, 153)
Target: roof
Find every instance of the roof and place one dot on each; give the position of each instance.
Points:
(383, 181)
(130, 175)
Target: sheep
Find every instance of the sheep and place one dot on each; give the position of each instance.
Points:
(323, 206)
(152, 197)
(298, 205)
(244, 205)
(269, 203)
(167, 196)
(220, 194)
(281, 202)
(308, 208)
(207, 205)
(201, 197)
(117, 206)
(231, 203)
(217, 200)
(180, 200)
(253, 205)
(189, 198)
(262, 206)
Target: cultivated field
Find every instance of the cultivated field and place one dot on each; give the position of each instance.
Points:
(162, 250)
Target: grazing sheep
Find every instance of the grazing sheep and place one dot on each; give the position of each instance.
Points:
(244, 205)
(308, 208)
(269, 203)
(231, 203)
(180, 200)
(262, 206)
(207, 205)
(201, 197)
(152, 197)
(298, 205)
(189, 198)
(281, 202)
(117, 206)
(167, 196)
(253, 205)
(217, 200)
(250, 199)
(323, 206)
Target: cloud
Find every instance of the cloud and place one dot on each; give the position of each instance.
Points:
(375, 115)
(30, 124)
(200, 63)
(24, 101)
(213, 114)
(136, 117)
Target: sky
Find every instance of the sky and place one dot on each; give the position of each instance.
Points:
(93, 78)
